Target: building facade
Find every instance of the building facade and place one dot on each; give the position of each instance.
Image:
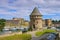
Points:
(16, 23)
(37, 22)
(48, 22)
(36, 19)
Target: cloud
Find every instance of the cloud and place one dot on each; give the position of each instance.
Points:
(49, 6)
(56, 17)
(23, 8)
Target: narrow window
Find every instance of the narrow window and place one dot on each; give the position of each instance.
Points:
(36, 22)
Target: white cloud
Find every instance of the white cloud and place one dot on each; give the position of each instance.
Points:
(56, 17)
(25, 7)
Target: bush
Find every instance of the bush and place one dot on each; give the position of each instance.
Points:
(2, 24)
(40, 33)
(49, 31)
(17, 37)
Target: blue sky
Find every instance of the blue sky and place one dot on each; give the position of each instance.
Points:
(22, 8)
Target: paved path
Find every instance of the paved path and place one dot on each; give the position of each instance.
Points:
(32, 33)
(38, 38)
(9, 34)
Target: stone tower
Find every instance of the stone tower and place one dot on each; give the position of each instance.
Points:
(35, 19)
(48, 22)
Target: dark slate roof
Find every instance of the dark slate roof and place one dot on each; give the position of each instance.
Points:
(12, 21)
(26, 21)
(35, 11)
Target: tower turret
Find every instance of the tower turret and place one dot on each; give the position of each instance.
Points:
(35, 19)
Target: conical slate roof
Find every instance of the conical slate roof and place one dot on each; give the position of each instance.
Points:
(35, 11)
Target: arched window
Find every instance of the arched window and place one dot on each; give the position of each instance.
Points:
(36, 22)
(34, 26)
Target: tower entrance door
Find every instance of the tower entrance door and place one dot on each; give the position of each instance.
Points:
(34, 27)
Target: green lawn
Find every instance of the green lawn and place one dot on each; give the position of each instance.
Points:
(17, 37)
(40, 33)
(26, 36)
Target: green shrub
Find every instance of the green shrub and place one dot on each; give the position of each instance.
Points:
(17, 37)
(49, 31)
(40, 33)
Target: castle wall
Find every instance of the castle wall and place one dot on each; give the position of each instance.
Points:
(16, 23)
(48, 22)
(36, 22)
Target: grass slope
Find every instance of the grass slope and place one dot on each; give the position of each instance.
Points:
(17, 37)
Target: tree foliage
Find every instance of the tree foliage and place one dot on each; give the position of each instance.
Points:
(55, 21)
(2, 24)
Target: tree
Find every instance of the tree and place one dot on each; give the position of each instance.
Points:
(53, 21)
(2, 24)
(59, 20)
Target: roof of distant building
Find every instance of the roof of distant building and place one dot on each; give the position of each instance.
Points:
(36, 12)
(12, 21)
